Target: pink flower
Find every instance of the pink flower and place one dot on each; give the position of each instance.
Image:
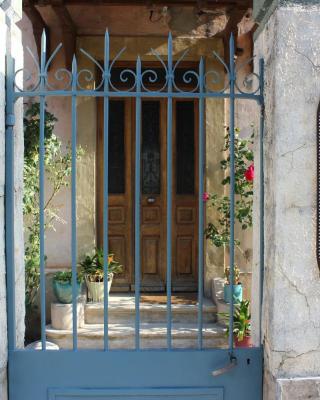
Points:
(205, 196)
(249, 174)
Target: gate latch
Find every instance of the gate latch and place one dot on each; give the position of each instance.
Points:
(220, 371)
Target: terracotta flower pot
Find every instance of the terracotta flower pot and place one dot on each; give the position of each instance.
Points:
(246, 342)
(96, 289)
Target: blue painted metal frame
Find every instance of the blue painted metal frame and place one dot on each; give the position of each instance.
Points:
(105, 190)
(39, 374)
(171, 368)
(169, 192)
(41, 192)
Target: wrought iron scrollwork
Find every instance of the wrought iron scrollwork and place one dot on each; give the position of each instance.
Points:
(250, 81)
(168, 77)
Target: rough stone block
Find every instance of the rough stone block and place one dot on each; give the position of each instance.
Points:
(299, 389)
(3, 384)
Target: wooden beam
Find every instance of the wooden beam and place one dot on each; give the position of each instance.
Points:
(130, 3)
(69, 31)
(38, 25)
(235, 16)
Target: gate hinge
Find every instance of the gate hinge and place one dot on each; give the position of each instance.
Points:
(10, 120)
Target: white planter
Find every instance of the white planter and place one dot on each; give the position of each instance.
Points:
(96, 289)
(61, 316)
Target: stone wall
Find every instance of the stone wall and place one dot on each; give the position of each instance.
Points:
(10, 13)
(290, 45)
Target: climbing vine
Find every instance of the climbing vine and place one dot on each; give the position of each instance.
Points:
(57, 163)
(219, 230)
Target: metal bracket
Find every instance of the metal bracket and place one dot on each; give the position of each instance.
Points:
(232, 364)
(10, 120)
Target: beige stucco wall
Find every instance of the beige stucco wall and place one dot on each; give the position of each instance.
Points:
(61, 108)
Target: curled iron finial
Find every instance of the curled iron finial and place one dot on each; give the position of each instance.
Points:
(187, 76)
(124, 75)
(215, 77)
(27, 75)
(152, 76)
(87, 75)
(249, 86)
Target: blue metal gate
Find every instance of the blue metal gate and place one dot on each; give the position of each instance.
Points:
(220, 374)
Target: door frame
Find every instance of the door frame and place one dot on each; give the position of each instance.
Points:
(125, 282)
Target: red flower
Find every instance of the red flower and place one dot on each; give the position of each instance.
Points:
(249, 174)
(205, 196)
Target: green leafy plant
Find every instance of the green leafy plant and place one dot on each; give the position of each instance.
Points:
(241, 320)
(219, 231)
(92, 266)
(66, 277)
(57, 165)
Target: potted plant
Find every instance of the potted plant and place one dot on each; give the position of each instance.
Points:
(237, 286)
(62, 286)
(241, 324)
(92, 269)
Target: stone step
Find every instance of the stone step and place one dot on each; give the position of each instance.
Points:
(152, 336)
(121, 309)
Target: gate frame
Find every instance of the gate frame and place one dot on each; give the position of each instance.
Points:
(239, 361)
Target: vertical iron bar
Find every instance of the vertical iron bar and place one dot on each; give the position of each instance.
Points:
(9, 203)
(106, 189)
(74, 205)
(201, 205)
(41, 192)
(232, 187)
(261, 183)
(137, 204)
(169, 191)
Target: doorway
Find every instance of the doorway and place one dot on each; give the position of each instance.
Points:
(153, 192)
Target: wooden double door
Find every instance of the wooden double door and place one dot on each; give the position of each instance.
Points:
(153, 187)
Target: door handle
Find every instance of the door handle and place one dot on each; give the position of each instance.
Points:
(151, 200)
(220, 371)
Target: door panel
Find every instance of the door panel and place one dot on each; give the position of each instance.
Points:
(185, 195)
(120, 183)
(153, 180)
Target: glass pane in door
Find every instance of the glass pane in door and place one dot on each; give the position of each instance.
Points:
(150, 152)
